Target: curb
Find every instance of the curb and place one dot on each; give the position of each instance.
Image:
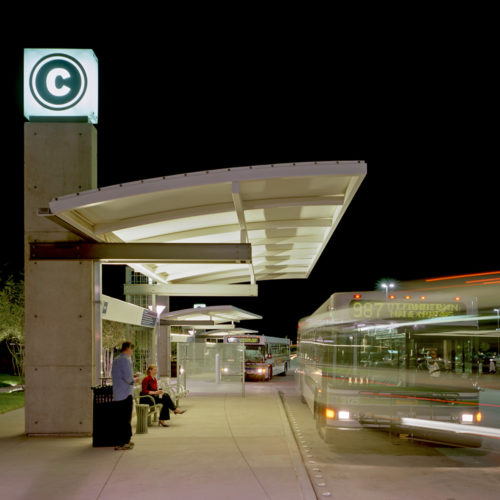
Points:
(307, 489)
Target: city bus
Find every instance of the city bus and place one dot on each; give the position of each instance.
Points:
(405, 362)
(264, 356)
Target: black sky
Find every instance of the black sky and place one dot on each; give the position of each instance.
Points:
(428, 206)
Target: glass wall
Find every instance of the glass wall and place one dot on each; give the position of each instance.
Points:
(211, 367)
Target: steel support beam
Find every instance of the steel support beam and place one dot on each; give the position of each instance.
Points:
(223, 253)
(240, 212)
(193, 290)
(47, 214)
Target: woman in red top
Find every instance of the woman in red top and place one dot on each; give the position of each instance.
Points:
(150, 388)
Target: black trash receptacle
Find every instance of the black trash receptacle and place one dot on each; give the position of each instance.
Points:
(104, 423)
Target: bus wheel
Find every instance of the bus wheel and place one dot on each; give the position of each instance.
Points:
(283, 373)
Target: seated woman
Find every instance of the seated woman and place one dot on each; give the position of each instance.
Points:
(150, 388)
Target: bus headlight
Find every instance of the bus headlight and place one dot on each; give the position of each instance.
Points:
(330, 414)
(225, 369)
(261, 370)
(467, 418)
(344, 415)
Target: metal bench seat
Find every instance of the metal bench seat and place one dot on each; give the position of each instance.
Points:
(147, 414)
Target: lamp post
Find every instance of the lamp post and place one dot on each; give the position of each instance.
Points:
(159, 310)
(154, 343)
(386, 286)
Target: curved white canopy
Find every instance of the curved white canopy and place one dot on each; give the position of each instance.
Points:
(287, 212)
(233, 331)
(205, 317)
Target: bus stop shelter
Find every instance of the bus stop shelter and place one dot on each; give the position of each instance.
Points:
(201, 362)
(207, 317)
(215, 232)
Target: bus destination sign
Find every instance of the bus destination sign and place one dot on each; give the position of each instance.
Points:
(244, 340)
(365, 309)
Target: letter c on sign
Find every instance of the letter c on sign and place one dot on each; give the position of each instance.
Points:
(58, 82)
(54, 79)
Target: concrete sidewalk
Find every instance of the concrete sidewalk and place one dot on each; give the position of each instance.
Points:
(12, 388)
(223, 447)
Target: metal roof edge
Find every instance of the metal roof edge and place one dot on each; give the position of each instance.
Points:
(205, 177)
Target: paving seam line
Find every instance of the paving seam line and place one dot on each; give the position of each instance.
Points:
(120, 455)
(308, 491)
(235, 441)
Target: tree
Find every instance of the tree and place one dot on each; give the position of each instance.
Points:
(12, 321)
(113, 334)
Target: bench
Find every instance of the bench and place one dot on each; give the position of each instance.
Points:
(146, 414)
(176, 392)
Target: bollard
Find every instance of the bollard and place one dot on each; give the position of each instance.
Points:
(217, 368)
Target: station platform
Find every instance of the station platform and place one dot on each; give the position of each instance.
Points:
(225, 447)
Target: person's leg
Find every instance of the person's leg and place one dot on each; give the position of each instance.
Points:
(167, 406)
(122, 419)
(167, 401)
(129, 404)
(146, 400)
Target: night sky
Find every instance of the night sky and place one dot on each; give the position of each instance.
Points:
(428, 206)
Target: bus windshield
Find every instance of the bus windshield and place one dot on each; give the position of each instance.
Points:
(254, 353)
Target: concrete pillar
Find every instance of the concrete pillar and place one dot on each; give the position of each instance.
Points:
(98, 352)
(60, 158)
(154, 333)
(164, 346)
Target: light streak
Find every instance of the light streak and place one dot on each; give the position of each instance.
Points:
(457, 285)
(447, 426)
(420, 398)
(445, 319)
(483, 280)
(461, 276)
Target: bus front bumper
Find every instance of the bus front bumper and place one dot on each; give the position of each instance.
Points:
(256, 371)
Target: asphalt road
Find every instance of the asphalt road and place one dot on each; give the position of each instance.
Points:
(361, 464)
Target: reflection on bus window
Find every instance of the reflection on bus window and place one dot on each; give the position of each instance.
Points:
(254, 353)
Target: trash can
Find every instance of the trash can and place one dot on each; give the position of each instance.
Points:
(104, 422)
(142, 418)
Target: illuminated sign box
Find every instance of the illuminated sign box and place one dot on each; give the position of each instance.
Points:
(244, 340)
(372, 310)
(60, 85)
